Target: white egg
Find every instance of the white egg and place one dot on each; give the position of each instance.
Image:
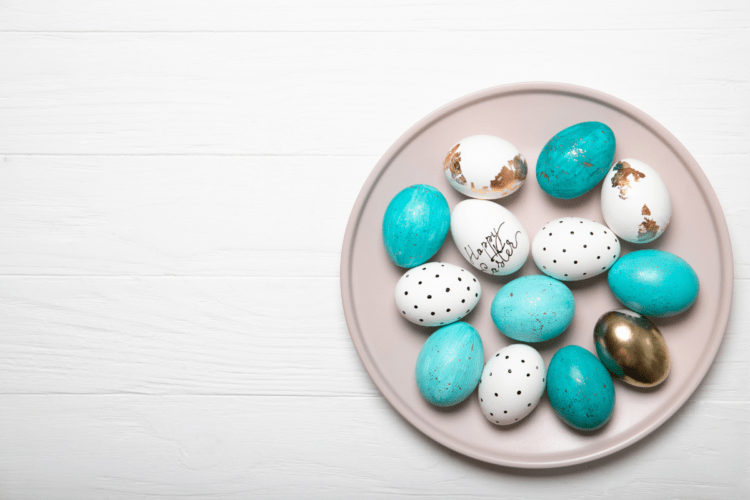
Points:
(436, 293)
(635, 201)
(512, 383)
(485, 167)
(573, 249)
(489, 236)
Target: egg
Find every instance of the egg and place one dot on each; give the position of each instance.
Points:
(635, 201)
(533, 308)
(450, 364)
(485, 167)
(415, 225)
(436, 293)
(632, 348)
(654, 283)
(489, 236)
(512, 384)
(579, 388)
(575, 160)
(573, 249)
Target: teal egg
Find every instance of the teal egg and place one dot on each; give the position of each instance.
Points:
(450, 364)
(575, 160)
(415, 225)
(533, 308)
(654, 283)
(579, 388)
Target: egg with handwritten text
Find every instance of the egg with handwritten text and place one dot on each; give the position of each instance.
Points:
(574, 249)
(485, 167)
(436, 294)
(489, 236)
(635, 201)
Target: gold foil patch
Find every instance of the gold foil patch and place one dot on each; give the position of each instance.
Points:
(648, 229)
(645, 210)
(453, 164)
(620, 179)
(506, 179)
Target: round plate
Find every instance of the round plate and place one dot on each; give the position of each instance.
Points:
(528, 115)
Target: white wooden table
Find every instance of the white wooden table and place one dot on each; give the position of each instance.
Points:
(175, 180)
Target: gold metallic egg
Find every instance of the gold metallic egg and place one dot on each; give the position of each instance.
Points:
(632, 348)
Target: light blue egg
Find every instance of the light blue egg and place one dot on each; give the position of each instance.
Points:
(415, 225)
(654, 283)
(575, 160)
(450, 364)
(533, 308)
(579, 388)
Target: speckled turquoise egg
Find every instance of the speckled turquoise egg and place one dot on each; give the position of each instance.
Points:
(533, 308)
(579, 388)
(575, 160)
(450, 364)
(654, 283)
(415, 225)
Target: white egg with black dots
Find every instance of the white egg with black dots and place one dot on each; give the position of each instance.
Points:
(437, 294)
(574, 249)
(512, 383)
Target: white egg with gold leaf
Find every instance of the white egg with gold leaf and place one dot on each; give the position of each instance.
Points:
(485, 167)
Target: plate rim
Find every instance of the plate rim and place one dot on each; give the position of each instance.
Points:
(716, 213)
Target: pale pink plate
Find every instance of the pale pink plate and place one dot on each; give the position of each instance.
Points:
(528, 115)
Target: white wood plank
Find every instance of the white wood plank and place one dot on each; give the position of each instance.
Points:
(373, 15)
(341, 93)
(258, 216)
(214, 215)
(252, 336)
(92, 447)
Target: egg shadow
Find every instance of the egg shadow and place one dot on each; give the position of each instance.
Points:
(577, 202)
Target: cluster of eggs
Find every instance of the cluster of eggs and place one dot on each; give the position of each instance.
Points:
(636, 207)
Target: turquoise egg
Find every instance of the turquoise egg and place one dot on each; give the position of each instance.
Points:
(533, 308)
(575, 160)
(415, 225)
(450, 364)
(654, 283)
(579, 388)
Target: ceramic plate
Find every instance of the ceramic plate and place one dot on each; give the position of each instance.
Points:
(528, 115)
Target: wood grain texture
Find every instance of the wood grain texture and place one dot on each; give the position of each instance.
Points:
(289, 447)
(175, 181)
(213, 215)
(340, 93)
(250, 336)
(374, 15)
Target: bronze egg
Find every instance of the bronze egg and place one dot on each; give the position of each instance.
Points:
(632, 348)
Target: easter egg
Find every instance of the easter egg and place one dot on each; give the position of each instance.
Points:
(512, 384)
(632, 348)
(654, 283)
(579, 388)
(415, 225)
(575, 160)
(489, 236)
(635, 201)
(573, 249)
(436, 293)
(450, 364)
(485, 167)
(533, 308)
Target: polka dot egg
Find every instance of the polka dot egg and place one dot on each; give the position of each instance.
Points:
(512, 384)
(574, 249)
(436, 294)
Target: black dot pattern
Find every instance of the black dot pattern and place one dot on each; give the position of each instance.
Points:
(575, 252)
(431, 298)
(513, 392)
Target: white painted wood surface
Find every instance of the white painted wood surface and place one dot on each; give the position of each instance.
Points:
(175, 180)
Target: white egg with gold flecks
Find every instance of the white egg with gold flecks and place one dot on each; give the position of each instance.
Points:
(485, 167)
(635, 201)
